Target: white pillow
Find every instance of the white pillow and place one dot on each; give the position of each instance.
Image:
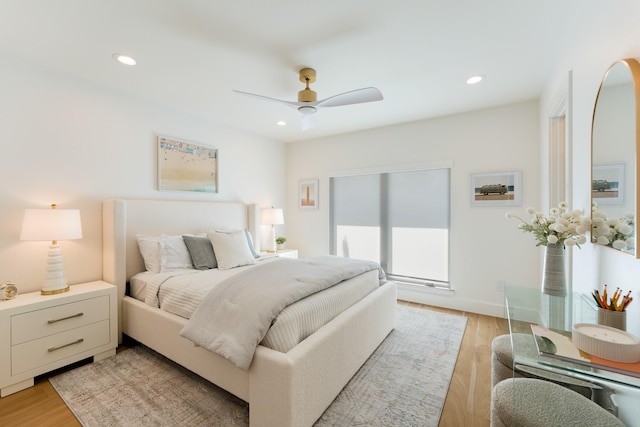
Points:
(150, 250)
(164, 253)
(231, 249)
(174, 253)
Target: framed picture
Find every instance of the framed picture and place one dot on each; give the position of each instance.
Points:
(496, 188)
(308, 194)
(186, 166)
(607, 183)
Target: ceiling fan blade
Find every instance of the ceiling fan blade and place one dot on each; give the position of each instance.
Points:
(266, 98)
(308, 121)
(358, 96)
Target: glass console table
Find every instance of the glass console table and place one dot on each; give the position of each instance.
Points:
(525, 306)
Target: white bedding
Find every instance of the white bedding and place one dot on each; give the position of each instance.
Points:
(186, 288)
(234, 317)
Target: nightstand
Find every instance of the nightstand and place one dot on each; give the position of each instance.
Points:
(286, 253)
(40, 333)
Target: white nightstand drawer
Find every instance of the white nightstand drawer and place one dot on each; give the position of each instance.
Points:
(41, 323)
(40, 352)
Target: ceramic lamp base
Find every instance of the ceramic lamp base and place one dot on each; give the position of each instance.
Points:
(272, 248)
(55, 281)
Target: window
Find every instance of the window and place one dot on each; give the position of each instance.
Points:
(399, 219)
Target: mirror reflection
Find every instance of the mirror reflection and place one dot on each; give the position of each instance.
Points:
(614, 141)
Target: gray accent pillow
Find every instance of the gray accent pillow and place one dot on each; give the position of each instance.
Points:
(201, 252)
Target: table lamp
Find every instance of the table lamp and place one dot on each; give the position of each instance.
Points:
(54, 225)
(272, 217)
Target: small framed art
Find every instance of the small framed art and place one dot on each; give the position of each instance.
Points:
(496, 188)
(186, 166)
(308, 194)
(607, 183)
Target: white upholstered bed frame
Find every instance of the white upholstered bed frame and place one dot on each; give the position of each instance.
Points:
(283, 389)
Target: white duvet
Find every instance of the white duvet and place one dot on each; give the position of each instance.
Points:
(235, 315)
(180, 291)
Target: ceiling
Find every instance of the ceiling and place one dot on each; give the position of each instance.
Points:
(191, 54)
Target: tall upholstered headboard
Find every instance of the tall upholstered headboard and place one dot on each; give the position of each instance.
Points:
(122, 220)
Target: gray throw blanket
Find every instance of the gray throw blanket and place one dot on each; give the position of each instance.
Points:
(235, 316)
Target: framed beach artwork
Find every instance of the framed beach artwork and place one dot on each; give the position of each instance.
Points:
(496, 188)
(607, 183)
(186, 166)
(308, 194)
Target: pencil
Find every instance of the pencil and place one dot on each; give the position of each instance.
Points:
(601, 302)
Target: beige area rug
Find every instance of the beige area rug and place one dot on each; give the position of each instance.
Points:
(404, 383)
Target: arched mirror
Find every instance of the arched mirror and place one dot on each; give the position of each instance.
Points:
(615, 137)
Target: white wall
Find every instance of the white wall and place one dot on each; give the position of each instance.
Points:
(599, 35)
(485, 247)
(70, 142)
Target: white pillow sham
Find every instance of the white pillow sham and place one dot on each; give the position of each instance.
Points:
(231, 248)
(174, 253)
(150, 250)
(164, 253)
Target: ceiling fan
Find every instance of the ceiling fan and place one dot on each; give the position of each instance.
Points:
(308, 102)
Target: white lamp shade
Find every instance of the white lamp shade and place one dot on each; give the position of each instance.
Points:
(272, 216)
(51, 224)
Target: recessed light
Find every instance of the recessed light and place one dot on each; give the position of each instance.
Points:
(281, 123)
(474, 79)
(124, 59)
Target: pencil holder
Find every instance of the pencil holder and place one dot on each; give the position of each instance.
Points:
(615, 319)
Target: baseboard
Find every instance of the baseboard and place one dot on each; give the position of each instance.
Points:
(449, 299)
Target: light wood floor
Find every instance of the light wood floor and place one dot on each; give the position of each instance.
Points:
(467, 402)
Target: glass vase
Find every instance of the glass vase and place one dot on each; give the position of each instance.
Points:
(554, 281)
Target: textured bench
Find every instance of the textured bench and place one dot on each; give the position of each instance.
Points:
(530, 402)
(502, 365)
(502, 356)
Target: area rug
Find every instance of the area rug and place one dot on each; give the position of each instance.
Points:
(404, 383)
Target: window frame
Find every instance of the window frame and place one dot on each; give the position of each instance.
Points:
(389, 170)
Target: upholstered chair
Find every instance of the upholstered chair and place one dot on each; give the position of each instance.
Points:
(502, 356)
(530, 402)
(502, 365)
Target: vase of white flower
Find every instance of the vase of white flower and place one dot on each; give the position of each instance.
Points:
(554, 281)
(559, 229)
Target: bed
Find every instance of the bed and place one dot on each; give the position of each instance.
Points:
(283, 389)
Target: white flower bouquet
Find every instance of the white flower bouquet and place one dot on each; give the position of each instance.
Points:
(617, 233)
(561, 226)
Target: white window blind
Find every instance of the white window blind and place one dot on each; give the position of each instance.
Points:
(399, 219)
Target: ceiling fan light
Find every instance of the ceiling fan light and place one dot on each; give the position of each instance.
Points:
(308, 104)
(307, 109)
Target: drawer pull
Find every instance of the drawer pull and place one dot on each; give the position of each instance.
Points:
(78, 341)
(65, 318)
